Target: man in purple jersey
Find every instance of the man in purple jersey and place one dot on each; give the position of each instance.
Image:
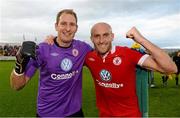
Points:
(60, 65)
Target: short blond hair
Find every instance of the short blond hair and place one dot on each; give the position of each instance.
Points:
(67, 11)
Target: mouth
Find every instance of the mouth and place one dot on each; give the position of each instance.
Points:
(102, 45)
(66, 34)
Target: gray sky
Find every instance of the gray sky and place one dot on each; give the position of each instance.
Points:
(157, 20)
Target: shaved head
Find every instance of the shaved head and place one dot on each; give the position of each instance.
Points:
(102, 37)
(100, 24)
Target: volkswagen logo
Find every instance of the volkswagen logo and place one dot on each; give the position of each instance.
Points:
(66, 64)
(105, 75)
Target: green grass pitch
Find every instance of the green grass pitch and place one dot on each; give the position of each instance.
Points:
(23, 103)
(163, 101)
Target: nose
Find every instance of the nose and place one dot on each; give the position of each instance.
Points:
(101, 39)
(68, 27)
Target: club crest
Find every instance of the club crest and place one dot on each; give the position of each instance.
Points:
(75, 52)
(117, 61)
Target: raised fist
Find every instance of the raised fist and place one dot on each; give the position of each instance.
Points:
(134, 34)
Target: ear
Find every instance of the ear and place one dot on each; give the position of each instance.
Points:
(56, 26)
(112, 36)
(91, 38)
(76, 28)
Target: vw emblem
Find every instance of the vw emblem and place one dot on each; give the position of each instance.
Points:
(105, 75)
(66, 64)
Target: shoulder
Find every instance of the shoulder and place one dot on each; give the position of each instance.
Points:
(43, 47)
(122, 49)
(129, 53)
(81, 44)
(91, 53)
(43, 44)
(91, 57)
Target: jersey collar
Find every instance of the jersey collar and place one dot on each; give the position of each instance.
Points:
(110, 52)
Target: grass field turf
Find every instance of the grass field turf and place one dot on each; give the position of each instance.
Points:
(23, 103)
(163, 101)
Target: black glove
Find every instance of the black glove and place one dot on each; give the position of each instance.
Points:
(27, 51)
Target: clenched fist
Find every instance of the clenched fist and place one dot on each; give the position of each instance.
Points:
(134, 34)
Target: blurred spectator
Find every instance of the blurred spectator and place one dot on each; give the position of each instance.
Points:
(165, 78)
(8, 50)
(176, 59)
(1, 51)
(151, 78)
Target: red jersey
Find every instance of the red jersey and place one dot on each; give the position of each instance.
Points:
(114, 77)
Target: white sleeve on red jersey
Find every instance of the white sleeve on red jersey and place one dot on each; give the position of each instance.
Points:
(142, 59)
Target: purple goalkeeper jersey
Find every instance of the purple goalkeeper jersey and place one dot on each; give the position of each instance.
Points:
(60, 83)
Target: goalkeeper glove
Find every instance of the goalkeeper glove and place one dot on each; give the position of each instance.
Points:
(23, 56)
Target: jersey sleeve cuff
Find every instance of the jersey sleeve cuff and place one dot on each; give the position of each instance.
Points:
(142, 59)
(17, 73)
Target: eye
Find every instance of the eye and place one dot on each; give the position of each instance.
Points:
(72, 24)
(63, 23)
(96, 36)
(106, 35)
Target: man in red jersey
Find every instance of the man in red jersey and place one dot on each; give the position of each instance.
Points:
(113, 70)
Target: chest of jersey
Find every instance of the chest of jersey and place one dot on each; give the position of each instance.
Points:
(114, 72)
(116, 66)
(62, 64)
(63, 61)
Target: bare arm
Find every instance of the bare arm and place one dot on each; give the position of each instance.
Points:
(18, 81)
(158, 60)
(17, 78)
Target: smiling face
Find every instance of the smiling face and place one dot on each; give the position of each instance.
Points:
(66, 28)
(102, 37)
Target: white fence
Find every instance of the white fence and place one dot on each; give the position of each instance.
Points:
(7, 58)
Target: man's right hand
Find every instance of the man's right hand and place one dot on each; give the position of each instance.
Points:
(134, 34)
(27, 51)
(50, 39)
